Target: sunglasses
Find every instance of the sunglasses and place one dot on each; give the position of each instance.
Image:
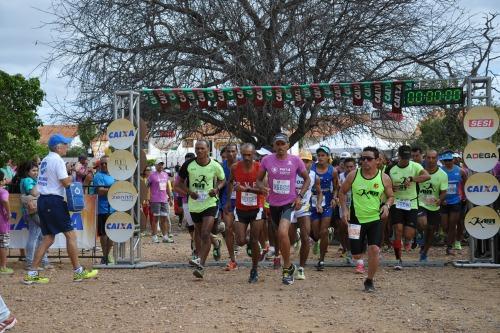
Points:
(367, 158)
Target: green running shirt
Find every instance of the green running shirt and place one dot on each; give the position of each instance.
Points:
(429, 190)
(398, 176)
(201, 179)
(366, 197)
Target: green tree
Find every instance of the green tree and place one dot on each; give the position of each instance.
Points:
(76, 152)
(87, 131)
(19, 98)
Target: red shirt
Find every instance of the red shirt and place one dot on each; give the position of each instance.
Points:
(247, 200)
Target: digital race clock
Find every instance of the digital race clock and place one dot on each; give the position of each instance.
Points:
(441, 96)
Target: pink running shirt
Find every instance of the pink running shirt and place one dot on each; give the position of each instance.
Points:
(158, 184)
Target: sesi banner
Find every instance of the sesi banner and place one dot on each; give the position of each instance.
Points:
(83, 221)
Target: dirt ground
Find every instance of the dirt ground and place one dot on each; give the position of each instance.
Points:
(431, 299)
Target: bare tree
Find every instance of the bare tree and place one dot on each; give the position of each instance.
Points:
(124, 44)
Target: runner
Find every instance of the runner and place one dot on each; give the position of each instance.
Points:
(349, 165)
(451, 207)
(200, 174)
(367, 185)
(161, 198)
(282, 169)
(431, 194)
(53, 212)
(249, 204)
(323, 202)
(227, 210)
(405, 175)
(301, 217)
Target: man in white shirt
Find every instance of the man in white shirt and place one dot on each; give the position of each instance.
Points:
(53, 211)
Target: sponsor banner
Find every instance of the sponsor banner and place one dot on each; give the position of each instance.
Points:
(481, 188)
(119, 227)
(480, 155)
(481, 122)
(121, 133)
(482, 222)
(122, 164)
(122, 196)
(84, 223)
(397, 97)
(357, 96)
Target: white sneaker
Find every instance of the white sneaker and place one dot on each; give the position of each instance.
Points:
(156, 239)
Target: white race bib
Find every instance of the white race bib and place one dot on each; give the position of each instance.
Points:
(202, 195)
(281, 186)
(248, 199)
(452, 188)
(403, 204)
(163, 186)
(314, 201)
(354, 230)
(429, 200)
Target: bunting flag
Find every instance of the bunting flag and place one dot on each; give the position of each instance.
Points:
(377, 92)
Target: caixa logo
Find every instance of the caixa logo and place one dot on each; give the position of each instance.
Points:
(121, 134)
(482, 188)
(119, 226)
(76, 221)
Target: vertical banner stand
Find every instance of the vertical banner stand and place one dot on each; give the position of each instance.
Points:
(128, 254)
(483, 253)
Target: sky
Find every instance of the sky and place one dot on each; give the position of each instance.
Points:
(23, 36)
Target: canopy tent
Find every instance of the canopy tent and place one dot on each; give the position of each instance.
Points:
(353, 144)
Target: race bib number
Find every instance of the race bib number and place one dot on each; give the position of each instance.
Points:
(202, 195)
(281, 186)
(452, 188)
(354, 230)
(429, 200)
(163, 186)
(248, 199)
(403, 204)
(314, 201)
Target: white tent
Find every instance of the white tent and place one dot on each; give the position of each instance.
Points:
(353, 144)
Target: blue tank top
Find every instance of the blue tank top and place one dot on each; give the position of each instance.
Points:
(454, 179)
(326, 186)
(223, 191)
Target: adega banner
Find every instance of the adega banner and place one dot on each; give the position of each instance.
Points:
(84, 223)
(378, 93)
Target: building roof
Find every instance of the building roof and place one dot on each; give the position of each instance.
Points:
(69, 131)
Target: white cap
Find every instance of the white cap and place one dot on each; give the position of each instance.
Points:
(345, 154)
(158, 161)
(456, 155)
(263, 152)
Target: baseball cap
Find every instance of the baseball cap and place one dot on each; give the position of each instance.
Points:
(159, 161)
(57, 138)
(324, 149)
(345, 154)
(280, 137)
(447, 155)
(305, 155)
(404, 152)
(456, 155)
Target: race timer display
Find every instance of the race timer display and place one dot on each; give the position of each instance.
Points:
(442, 96)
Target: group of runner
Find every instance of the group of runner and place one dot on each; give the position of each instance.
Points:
(301, 200)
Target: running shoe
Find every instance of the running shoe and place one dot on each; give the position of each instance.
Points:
(167, 239)
(263, 253)
(296, 245)
(194, 261)
(231, 266)
(155, 239)
(348, 258)
(111, 259)
(221, 227)
(316, 248)
(199, 271)
(249, 250)
(330, 235)
(8, 323)
(360, 268)
(270, 253)
(35, 279)
(457, 246)
(369, 287)
(84, 275)
(320, 266)
(254, 276)
(277, 262)
(423, 257)
(300, 274)
(6, 271)
(216, 251)
(399, 265)
(287, 278)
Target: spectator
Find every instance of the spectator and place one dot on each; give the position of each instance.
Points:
(82, 168)
(29, 197)
(8, 172)
(4, 226)
(7, 320)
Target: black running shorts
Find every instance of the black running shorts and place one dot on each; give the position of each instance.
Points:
(370, 233)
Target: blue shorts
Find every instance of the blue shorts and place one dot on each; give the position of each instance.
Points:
(327, 212)
(54, 215)
(233, 206)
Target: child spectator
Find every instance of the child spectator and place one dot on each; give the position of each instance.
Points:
(4, 227)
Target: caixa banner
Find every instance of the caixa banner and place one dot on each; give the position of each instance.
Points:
(84, 223)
